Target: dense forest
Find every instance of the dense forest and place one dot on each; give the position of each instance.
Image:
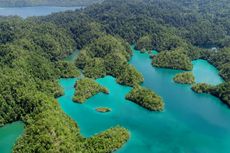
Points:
(221, 91)
(86, 88)
(146, 98)
(184, 78)
(31, 62)
(32, 53)
(25, 3)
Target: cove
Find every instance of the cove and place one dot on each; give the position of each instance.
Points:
(205, 72)
(25, 12)
(8, 136)
(191, 123)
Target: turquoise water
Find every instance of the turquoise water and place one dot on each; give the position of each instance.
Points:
(203, 70)
(8, 136)
(25, 12)
(191, 123)
(154, 52)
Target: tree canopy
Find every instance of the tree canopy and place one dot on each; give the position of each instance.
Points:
(32, 53)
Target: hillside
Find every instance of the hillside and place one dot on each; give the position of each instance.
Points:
(32, 53)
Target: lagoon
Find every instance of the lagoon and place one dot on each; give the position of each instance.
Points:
(191, 122)
(202, 71)
(25, 12)
(8, 136)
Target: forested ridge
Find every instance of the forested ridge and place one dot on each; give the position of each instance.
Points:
(32, 53)
(31, 62)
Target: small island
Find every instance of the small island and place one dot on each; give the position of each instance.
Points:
(184, 78)
(146, 98)
(86, 88)
(173, 60)
(103, 109)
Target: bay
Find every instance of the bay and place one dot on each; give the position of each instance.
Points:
(191, 122)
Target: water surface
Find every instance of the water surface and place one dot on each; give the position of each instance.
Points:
(25, 12)
(205, 72)
(8, 136)
(191, 123)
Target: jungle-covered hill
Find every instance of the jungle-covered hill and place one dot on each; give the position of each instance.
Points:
(32, 52)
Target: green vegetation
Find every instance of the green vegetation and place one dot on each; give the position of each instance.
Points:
(23, 3)
(130, 76)
(31, 57)
(167, 22)
(32, 50)
(173, 59)
(225, 71)
(108, 55)
(108, 141)
(26, 68)
(221, 91)
(146, 98)
(220, 60)
(103, 109)
(53, 131)
(95, 68)
(201, 88)
(67, 69)
(184, 78)
(86, 88)
(144, 43)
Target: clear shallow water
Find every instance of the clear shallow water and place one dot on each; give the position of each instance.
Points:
(8, 136)
(25, 12)
(191, 123)
(203, 70)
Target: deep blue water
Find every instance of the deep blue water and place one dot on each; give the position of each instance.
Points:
(25, 12)
(191, 123)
